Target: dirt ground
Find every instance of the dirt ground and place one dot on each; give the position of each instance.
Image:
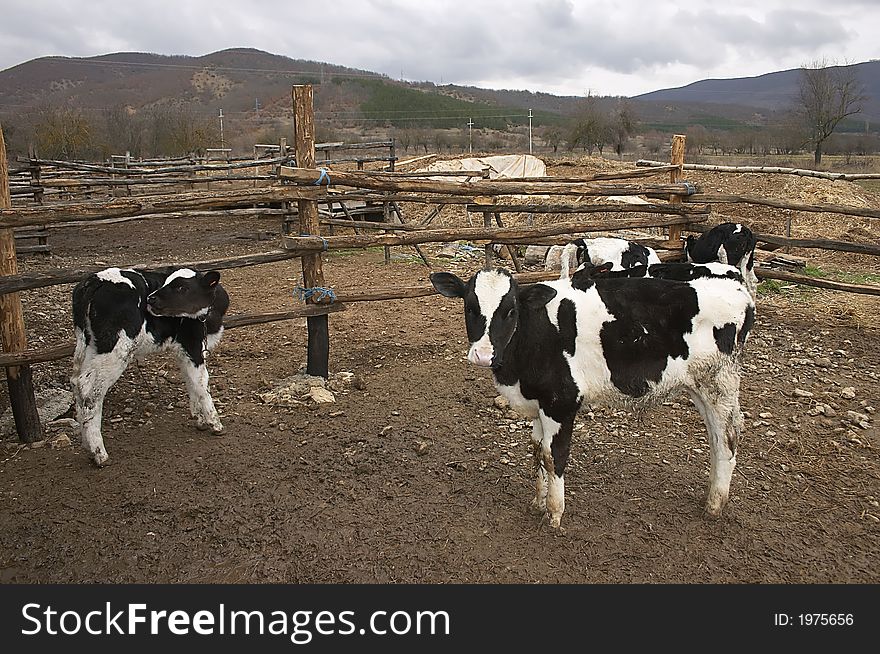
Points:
(413, 474)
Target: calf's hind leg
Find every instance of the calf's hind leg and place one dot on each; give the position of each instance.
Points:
(718, 404)
(93, 375)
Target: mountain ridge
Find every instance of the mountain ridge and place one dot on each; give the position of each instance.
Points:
(252, 82)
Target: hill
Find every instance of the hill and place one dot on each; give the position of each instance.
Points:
(769, 93)
(253, 86)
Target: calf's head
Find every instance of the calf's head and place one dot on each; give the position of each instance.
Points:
(185, 294)
(492, 305)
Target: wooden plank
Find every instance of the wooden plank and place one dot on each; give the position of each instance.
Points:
(230, 322)
(13, 335)
(318, 359)
(801, 172)
(679, 209)
(74, 165)
(32, 249)
(807, 243)
(32, 280)
(307, 244)
(769, 273)
(724, 198)
(480, 187)
(675, 176)
(152, 204)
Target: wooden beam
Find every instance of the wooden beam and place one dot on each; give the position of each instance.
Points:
(675, 176)
(808, 243)
(307, 244)
(722, 198)
(477, 188)
(230, 322)
(801, 172)
(32, 280)
(769, 273)
(313, 274)
(679, 209)
(73, 165)
(152, 204)
(13, 334)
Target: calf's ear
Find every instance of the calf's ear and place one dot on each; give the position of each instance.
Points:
(211, 278)
(536, 295)
(448, 284)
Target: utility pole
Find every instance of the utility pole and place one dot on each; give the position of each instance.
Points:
(530, 131)
(470, 124)
(222, 142)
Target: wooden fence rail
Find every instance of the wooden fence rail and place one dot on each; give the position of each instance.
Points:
(802, 172)
(153, 204)
(308, 185)
(721, 198)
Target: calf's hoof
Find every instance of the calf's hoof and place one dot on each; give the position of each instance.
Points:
(100, 459)
(714, 507)
(215, 428)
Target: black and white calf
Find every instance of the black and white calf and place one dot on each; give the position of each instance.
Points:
(120, 315)
(676, 271)
(730, 243)
(617, 342)
(617, 252)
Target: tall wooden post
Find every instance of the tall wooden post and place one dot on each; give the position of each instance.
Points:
(318, 358)
(487, 222)
(12, 330)
(675, 176)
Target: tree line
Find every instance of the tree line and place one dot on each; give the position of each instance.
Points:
(69, 133)
(828, 95)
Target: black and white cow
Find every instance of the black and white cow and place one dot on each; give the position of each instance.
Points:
(618, 252)
(120, 315)
(616, 342)
(730, 243)
(676, 271)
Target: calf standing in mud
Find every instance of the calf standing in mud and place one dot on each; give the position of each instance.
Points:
(626, 342)
(123, 314)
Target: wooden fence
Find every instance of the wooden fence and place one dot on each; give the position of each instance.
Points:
(310, 183)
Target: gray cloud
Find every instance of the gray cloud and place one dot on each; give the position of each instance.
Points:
(631, 47)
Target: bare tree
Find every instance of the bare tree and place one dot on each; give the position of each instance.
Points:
(621, 126)
(828, 94)
(122, 130)
(552, 136)
(588, 125)
(63, 132)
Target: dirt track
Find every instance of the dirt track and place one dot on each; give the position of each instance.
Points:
(413, 475)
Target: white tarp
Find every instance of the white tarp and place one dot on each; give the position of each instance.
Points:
(508, 165)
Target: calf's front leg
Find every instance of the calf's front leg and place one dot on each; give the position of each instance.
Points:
(555, 448)
(201, 405)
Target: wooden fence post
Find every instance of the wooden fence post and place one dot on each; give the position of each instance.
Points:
(318, 358)
(12, 330)
(675, 176)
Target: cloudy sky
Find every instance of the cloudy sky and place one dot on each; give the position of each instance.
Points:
(565, 47)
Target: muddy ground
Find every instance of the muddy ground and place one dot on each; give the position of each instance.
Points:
(413, 474)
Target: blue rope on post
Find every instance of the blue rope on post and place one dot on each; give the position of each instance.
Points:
(326, 245)
(318, 292)
(323, 176)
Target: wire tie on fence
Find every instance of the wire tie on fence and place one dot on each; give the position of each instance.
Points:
(321, 292)
(690, 188)
(324, 244)
(323, 176)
